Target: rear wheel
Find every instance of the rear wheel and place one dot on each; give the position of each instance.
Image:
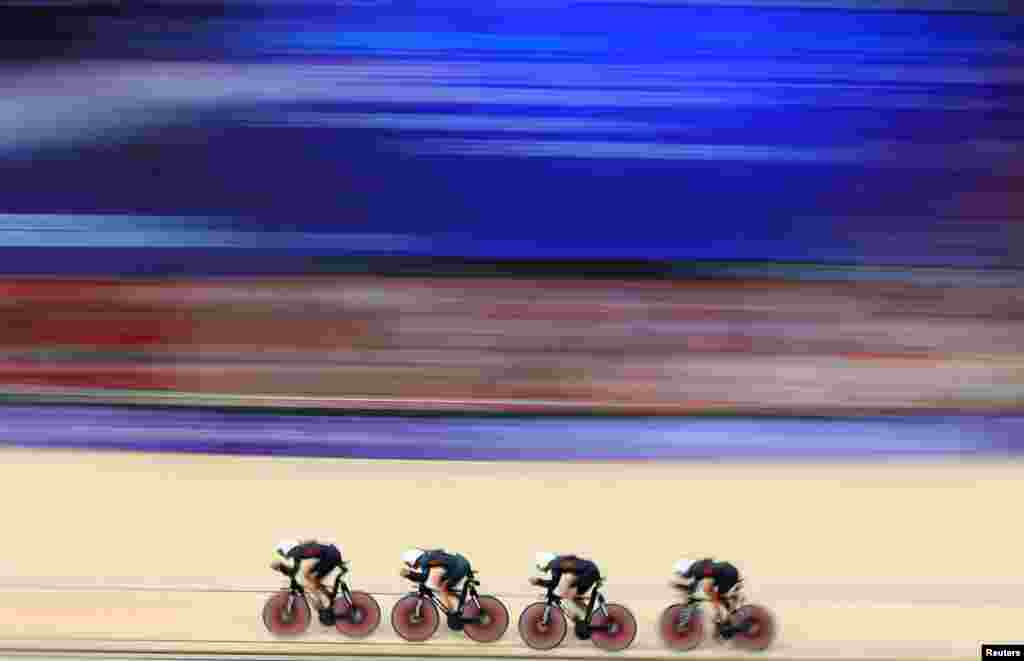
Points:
(358, 619)
(681, 638)
(757, 628)
(494, 619)
(410, 626)
(621, 632)
(536, 633)
(286, 614)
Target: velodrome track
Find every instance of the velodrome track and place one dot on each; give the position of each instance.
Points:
(885, 557)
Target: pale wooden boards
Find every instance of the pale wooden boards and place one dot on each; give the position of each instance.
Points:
(895, 548)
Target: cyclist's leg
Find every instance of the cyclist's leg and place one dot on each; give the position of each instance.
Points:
(566, 589)
(737, 596)
(584, 584)
(328, 573)
(726, 584)
(454, 578)
(436, 582)
(712, 593)
(311, 582)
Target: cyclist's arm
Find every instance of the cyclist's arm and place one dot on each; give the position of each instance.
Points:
(556, 576)
(418, 577)
(687, 581)
(283, 564)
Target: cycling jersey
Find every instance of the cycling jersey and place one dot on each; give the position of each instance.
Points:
(456, 566)
(722, 574)
(328, 556)
(585, 571)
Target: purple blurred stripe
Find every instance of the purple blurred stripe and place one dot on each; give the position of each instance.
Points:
(235, 433)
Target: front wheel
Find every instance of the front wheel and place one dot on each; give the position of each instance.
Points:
(541, 635)
(757, 628)
(412, 626)
(286, 614)
(358, 618)
(676, 636)
(621, 631)
(493, 615)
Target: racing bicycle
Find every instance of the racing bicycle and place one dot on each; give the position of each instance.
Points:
(682, 625)
(611, 627)
(356, 614)
(484, 618)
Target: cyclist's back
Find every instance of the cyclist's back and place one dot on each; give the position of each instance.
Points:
(314, 549)
(441, 571)
(456, 566)
(573, 564)
(311, 561)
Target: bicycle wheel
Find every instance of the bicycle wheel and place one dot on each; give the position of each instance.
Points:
(360, 619)
(407, 625)
(759, 625)
(681, 639)
(538, 635)
(622, 631)
(494, 615)
(279, 621)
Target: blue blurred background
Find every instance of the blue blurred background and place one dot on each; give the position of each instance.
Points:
(775, 207)
(264, 135)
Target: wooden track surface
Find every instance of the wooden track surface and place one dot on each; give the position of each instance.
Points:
(154, 552)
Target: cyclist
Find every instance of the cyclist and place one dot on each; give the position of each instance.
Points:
(572, 578)
(312, 561)
(719, 578)
(441, 571)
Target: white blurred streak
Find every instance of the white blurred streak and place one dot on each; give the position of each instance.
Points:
(892, 154)
(110, 231)
(67, 104)
(440, 122)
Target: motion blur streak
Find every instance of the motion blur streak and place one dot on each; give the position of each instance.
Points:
(881, 132)
(523, 440)
(634, 280)
(674, 347)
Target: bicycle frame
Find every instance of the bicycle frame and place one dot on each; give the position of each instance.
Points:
(691, 605)
(596, 602)
(340, 586)
(468, 591)
(715, 600)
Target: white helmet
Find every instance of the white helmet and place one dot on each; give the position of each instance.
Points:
(286, 545)
(411, 556)
(682, 566)
(544, 558)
